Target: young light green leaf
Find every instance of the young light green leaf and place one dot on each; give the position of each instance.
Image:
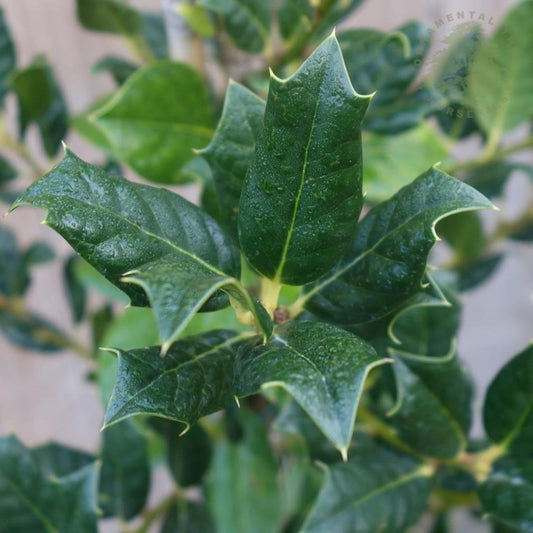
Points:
(230, 151)
(386, 260)
(508, 408)
(156, 119)
(7, 56)
(193, 380)
(375, 491)
(197, 19)
(501, 76)
(125, 475)
(46, 107)
(118, 226)
(247, 22)
(323, 367)
(391, 161)
(507, 494)
(178, 289)
(112, 16)
(34, 499)
(435, 404)
(303, 193)
(243, 492)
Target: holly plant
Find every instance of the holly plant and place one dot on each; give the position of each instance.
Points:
(288, 352)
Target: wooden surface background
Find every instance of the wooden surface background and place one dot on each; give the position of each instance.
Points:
(45, 397)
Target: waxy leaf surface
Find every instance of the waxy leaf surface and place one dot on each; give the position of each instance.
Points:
(33, 498)
(178, 289)
(125, 474)
(113, 16)
(508, 408)
(386, 259)
(375, 491)
(194, 379)
(156, 119)
(247, 22)
(323, 367)
(118, 226)
(303, 193)
(507, 494)
(230, 151)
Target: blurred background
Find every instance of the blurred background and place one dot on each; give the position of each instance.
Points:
(47, 397)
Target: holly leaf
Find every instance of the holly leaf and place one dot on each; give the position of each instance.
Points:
(46, 107)
(156, 119)
(178, 289)
(193, 380)
(247, 22)
(508, 407)
(435, 405)
(303, 193)
(76, 291)
(231, 150)
(386, 258)
(118, 226)
(243, 492)
(7, 56)
(501, 80)
(120, 69)
(111, 16)
(507, 494)
(376, 490)
(125, 475)
(33, 498)
(323, 367)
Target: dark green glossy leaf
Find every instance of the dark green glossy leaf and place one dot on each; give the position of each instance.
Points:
(117, 225)
(427, 330)
(76, 292)
(188, 455)
(323, 367)
(391, 161)
(30, 331)
(178, 289)
(386, 259)
(113, 16)
(119, 68)
(134, 328)
(230, 151)
(247, 22)
(243, 493)
(303, 194)
(389, 64)
(478, 271)
(125, 475)
(156, 119)
(464, 233)
(57, 460)
(14, 278)
(155, 34)
(46, 107)
(375, 491)
(455, 479)
(38, 253)
(193, 380)
(7, 171)
(435, 403)
(508, 408)
(507, 494)
(35, 500)
(501, 79)
(187, 517)
(491, 179)
(7, 56)
(294, 16)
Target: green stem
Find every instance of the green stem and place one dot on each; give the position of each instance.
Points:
(492, 156)
(151, 515)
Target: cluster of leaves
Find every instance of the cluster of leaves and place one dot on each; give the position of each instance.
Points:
(325, 324)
